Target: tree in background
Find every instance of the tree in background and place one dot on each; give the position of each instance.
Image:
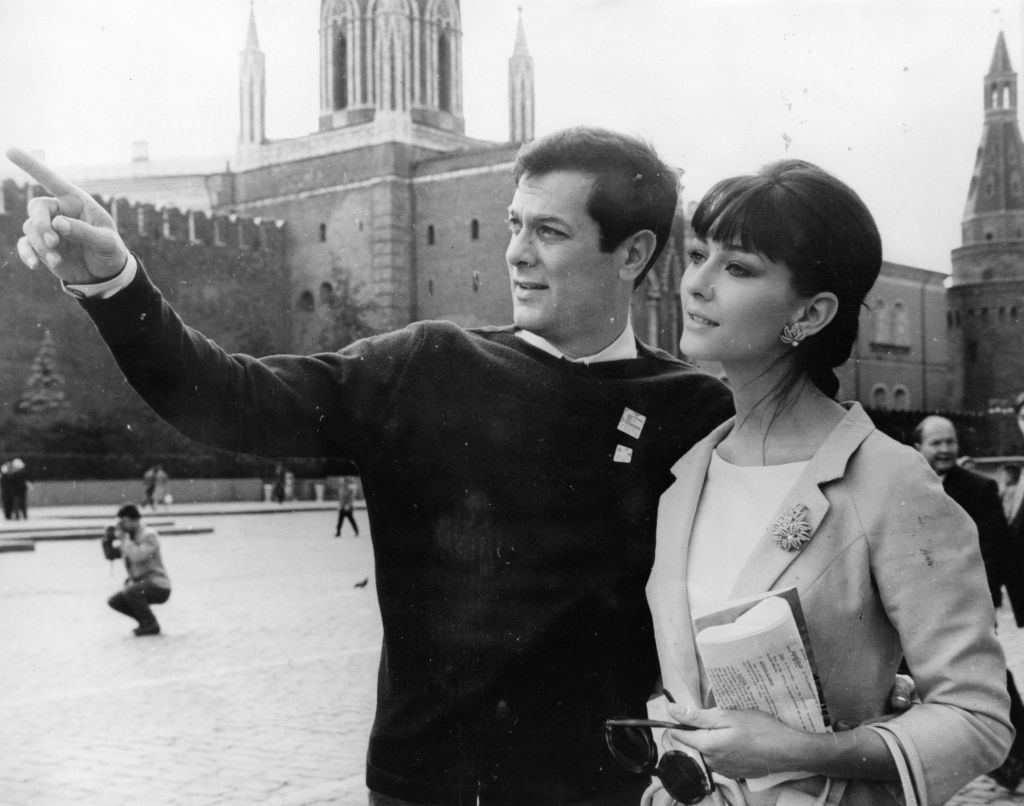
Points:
(44, 391)
(345, 315)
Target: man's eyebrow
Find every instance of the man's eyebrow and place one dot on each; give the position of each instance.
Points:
(541, 218)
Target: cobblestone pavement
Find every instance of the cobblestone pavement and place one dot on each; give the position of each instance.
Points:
(259, 691)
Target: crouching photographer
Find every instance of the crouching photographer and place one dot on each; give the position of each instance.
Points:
(147, 583)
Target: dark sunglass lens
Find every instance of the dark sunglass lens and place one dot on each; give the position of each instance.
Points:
(633, 747)
(683, 777)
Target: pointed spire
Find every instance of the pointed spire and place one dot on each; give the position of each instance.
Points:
(520, 89)
(520, 48)
(1000, 58)
(252, 41)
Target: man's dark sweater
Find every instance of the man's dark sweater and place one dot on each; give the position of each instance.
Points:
(512, 500)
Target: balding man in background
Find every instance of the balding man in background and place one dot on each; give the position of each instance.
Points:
(936, 439)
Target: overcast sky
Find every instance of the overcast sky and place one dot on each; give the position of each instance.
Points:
(885, 93)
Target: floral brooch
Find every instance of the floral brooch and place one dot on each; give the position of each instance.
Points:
(791, 530)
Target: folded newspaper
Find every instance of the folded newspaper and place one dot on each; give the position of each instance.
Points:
(756, 654)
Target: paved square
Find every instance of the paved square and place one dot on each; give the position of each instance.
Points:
(259, 691)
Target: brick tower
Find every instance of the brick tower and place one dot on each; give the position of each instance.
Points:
(985, 314)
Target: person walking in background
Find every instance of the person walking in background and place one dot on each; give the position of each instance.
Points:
(147, 582)
(346, 504)
(155, 482)
(149, 487)
(936, 439)
(6, 498)
(20, 484)
(161, 488)
(511, 473)
(799, 490)
(277, 492)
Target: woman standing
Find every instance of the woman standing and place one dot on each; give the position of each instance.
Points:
(885, 564)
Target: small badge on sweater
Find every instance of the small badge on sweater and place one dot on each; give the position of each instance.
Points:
(623, 454)
(632, 422)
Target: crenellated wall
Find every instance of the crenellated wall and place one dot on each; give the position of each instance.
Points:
(225, 274)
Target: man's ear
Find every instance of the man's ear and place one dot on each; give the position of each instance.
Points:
(636, 250)
(818, 312)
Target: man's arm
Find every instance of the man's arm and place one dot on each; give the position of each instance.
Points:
(280, 405)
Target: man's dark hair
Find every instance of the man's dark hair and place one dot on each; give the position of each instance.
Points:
(129, 511)
(633, 189)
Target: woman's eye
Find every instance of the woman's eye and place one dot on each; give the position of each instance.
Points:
(736, 270)
(695, 256)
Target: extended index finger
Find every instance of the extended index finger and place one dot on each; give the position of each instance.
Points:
(43, 174)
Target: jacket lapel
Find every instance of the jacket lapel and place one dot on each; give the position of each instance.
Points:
(769, 561)
(676, 512)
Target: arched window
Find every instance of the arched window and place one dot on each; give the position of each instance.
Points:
(879, 396)
(883, 330)
(430, 288)
(476, 282)
(430, 235)
(306, 302)
(323, 233)
(900, 324)
(444, 74)
(341, 72)
(326, 293)
(901, 398)
(474, 230)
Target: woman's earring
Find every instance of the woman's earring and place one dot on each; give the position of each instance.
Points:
(792, 334)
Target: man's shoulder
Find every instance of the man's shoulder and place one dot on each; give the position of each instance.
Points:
(969, 479)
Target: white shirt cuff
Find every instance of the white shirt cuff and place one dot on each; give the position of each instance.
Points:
(107, 288)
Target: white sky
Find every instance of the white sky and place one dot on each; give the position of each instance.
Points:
(885, 93)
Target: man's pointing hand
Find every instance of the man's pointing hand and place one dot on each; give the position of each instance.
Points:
(68, 232)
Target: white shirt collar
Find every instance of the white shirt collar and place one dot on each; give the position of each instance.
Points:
(624, 347)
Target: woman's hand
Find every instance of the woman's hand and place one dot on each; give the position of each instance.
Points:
(740, 744)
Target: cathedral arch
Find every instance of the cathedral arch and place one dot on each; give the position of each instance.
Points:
(444, 72)
(306, 303)
(441, 56)
(901, 398)
(342, 60)
(879, 396)
(392, 22)
(340, 67)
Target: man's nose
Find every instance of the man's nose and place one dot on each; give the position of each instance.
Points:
(520, 248)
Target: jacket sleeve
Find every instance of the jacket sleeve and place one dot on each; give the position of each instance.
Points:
(330, 404)
(927, 566)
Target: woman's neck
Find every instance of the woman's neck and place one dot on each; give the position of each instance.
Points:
(776, 424)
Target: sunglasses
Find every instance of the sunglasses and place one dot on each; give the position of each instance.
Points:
(685, 777)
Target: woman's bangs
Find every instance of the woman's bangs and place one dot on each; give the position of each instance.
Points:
(750, 219)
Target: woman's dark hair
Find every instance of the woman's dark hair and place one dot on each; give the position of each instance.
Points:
(798, 214)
